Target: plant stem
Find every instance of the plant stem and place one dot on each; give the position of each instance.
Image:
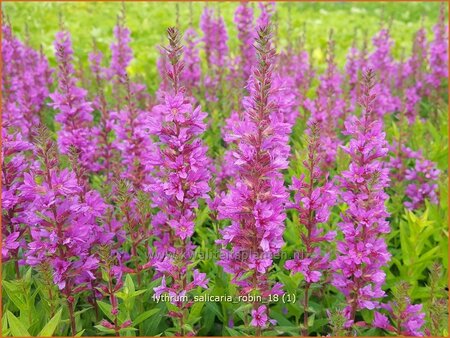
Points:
(72, 318)
(16, 267)
(305, 311)
(50, 296)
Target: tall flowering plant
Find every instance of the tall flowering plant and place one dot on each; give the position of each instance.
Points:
(132, 139)
(62, 224)
(416, 72)
(26, 78)
(314, 197)
(128, 120)
(243, 18)
(106, 151)
(14, 166)
(191, 76)
(419, 174)
(363, 252)
(256, 200)
(352, 68)
(70, 100)
(121, 56)
(294, 66)
(179, 184)
(381, 62)
(439, 52)
(215, 38)
(403, 318)
(328, 107)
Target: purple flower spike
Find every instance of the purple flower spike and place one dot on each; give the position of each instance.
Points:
(363, 252)
(256, 200)
(75, 111)
(180, 182)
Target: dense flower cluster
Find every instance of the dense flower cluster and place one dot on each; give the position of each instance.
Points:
(181, 180)
(406, 319)
(135, 147)
(420, 175)
(439, 52)
(381, 61)
(255, 202)
(191, 76)
(75, 112)
(313, 200)
(243, 18)
(328, 107)
(415, 69)
(352, 68)
(15, 165)
(62, 221)
(121, 53)
(363, 252)
(422, 184)
(26, 77)
(214, 40)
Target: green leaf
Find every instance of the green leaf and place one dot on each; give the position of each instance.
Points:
(232, 332)
(195, 312)
(311, 320)
(79, 334)
(16, 327)
(144, 316)
(129, 285)
(104, 329)
(188, 327)
(50, 327)
(106, 309)
(15, 295)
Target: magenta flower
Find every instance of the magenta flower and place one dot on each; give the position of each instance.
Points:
(419, 173)
(352, 68)
(14, 166)
(62, 227)
(243, 18)
(267, 11)
(294, 66)
(26, 78)
(121, 57)
(255, 201)
(95, 61)
(422, 179)
(105, 149)
(314, 199)
(191, 76)
(328, 108)
(404, 318)
(132, 141)
(363, 252)
(439, 52)
(121, 53)
(214, 40)
(180, 181)
(259, 317)
(75, 111)
(381, 62)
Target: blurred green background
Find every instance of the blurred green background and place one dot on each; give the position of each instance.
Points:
(149, 20)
